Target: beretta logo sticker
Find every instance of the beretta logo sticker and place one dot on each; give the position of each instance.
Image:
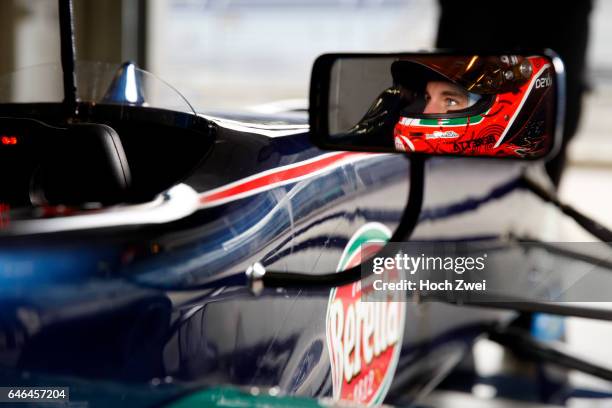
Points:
(363, 338)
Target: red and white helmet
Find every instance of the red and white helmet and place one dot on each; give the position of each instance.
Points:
(511, 105)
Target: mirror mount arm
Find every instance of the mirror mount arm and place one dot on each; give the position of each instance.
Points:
(409, 220)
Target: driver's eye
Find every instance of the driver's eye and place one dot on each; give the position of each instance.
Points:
(451, 102)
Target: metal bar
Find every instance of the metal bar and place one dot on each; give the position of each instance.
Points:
(68, 54)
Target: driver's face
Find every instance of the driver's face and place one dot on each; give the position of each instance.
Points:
(442, 97)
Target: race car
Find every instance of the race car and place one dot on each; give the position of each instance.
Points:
(125, 245)
(137, 238)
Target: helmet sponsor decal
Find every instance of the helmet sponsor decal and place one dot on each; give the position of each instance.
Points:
(364, 338)
(448, 134)
(543, 82)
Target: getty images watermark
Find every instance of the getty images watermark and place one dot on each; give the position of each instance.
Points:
(408, 265)
(489, 270)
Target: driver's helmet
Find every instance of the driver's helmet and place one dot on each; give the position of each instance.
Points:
(470, 105)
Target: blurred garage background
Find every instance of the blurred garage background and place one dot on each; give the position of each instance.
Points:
(256, 55)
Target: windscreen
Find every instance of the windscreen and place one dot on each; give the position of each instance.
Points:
(97, 83)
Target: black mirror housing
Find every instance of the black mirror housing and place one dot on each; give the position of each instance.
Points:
(439, 103)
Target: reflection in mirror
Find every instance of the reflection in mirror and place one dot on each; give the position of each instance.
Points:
(468, 105)
(444, 97)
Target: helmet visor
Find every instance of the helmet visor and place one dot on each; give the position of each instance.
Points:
(484, 75)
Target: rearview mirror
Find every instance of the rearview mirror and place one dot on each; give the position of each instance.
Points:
(438, 103)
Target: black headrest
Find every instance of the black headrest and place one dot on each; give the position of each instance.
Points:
(85, 164)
